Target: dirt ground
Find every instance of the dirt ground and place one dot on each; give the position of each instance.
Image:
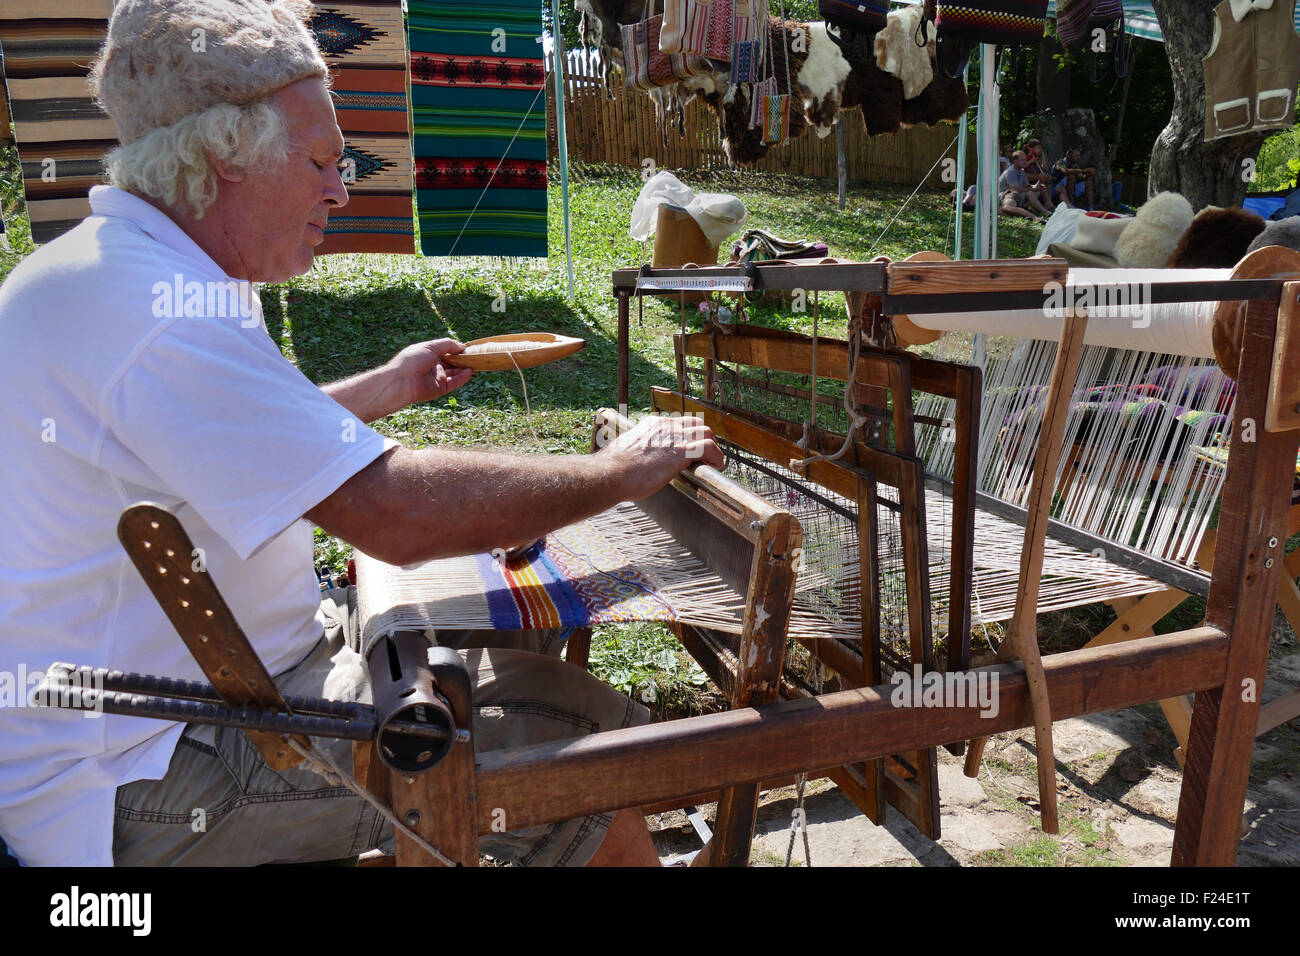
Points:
(1118, 785)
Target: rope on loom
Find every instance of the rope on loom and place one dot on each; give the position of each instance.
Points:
(321, 762)
(891, 222)
(854, 417)
(802, 785)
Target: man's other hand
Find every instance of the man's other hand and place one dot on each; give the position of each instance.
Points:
(651, 454)
(420, 375)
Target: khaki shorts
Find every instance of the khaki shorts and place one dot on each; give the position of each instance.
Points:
(221, 805)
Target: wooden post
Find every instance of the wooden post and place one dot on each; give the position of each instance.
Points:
(441, 804)
(843, 164)
(623, 347)
(1022, 635)
(1247, 570)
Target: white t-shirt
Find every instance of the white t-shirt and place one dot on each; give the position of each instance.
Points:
(113, 395)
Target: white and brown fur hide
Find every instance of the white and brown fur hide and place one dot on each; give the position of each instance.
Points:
(898, 54)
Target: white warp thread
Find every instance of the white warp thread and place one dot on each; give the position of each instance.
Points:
(1179, 328)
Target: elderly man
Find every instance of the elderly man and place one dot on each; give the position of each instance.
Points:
(124, 383)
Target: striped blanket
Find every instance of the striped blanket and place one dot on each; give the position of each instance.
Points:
(62, 136)
(364, 44)
(479, 104)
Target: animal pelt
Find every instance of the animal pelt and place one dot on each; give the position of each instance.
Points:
(1216, 239)
(730, 102)
(1280, 232)
(1153, 235)
(742, 144)
(898, 55)
(878, 94)
(943, 99)
(821, 79)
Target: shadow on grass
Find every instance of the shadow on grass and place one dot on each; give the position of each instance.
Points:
(335, 336)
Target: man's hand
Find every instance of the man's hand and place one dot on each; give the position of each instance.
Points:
(415, 374)
(652, 453)
(419, 374)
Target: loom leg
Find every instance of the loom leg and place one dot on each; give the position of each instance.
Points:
(578, 649)
(1242, 602)
(623, 348)
(737, 809)
(1287, 707)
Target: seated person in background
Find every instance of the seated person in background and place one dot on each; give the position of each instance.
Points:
(1036, 171)
(1004, 160)
(1068, 176)
(1017, 195)
(226, 175)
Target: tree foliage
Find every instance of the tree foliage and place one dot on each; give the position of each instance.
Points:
(1092, 85)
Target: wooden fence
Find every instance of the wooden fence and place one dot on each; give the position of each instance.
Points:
(622, 131)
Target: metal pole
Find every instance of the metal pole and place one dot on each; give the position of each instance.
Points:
(961, 174)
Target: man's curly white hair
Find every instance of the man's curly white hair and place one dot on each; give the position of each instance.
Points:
(188, 79)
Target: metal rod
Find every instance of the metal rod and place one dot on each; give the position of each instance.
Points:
(55, 691)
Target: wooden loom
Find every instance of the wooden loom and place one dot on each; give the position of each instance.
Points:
(679, 758)
(454, 801)
(929, 284)
(1143, 574)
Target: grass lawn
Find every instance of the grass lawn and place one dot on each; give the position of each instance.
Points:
(353, 312)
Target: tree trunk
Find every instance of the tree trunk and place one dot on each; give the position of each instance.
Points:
(1053, 84)
(1213, 173)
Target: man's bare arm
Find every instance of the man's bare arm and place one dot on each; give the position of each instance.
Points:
(409, 506)
(415, 374)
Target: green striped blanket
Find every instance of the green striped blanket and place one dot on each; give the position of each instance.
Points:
(478, 103)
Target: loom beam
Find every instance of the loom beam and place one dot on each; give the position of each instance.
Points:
(555, 781)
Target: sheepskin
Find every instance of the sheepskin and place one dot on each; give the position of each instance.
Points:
(1153, 235)
(944, 99)
(821, 80)
(1217, 239)
(898, 55)
(875, 92)
(1281, 232)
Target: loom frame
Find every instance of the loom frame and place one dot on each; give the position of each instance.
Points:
(1255, 493)
(638, 766)
(922, 286)
(913, 790)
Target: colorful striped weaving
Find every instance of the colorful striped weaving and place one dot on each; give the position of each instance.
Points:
(615, 566)
(992, 21)
(479, 106)
(364, 43)
(576, 580)
(62, 136)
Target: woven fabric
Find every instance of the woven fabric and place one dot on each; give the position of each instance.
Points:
(62, 136)
(992, 21)
(702, 27)
(1076, 19)
(646, 67)
(857, 16)
(479, 105)
(776, 118)
(576, 580)
(364, 44)
(748, 43)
